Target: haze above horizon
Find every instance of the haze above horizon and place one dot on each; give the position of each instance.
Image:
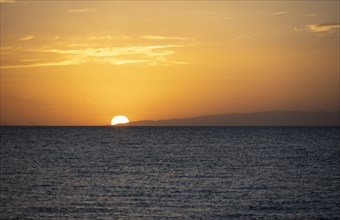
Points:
(83, 62)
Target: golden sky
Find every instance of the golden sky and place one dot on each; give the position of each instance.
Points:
(83, 62)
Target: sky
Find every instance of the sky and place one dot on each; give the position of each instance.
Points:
(83, 62)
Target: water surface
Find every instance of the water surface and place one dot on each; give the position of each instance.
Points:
(170, 172)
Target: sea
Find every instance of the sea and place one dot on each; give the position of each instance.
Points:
(170, 173)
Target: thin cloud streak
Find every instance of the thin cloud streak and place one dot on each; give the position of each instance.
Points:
(281, 12)
(296, 29)
(29, 60)
(8, 1)
(149, 51)
(80, 10)
(179, 62)
(62, 63)
(245, 36)
(109, 37)
(71, 62)
(6, 48)
(310, 15)
(158, 37)
(15, 2)
(328, 27)
(27, 37)
(119, 61)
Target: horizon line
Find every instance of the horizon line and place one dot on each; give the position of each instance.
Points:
(182, 118)
(121, 126)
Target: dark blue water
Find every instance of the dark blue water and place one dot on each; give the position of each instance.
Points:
(170, 173)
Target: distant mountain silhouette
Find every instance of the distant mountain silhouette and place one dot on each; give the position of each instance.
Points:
(270, 118)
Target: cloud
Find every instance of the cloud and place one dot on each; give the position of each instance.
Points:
(327, 27)
(29, 60)
(109, 37)
(310, 15)
(116, 61)
(96, 49)
(281, 12)
(245, 36)
(150, 51)
(80, 10)
(27, 37)
(120, 55)
(17, 2)
(149, 54)
(179, 62)
(6, 48)
(61, 63)
(72, 61)
(157, 37)
(8, 1)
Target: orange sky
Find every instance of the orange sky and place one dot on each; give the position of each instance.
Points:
(83, 62)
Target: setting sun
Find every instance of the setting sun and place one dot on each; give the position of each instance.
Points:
(119, 119)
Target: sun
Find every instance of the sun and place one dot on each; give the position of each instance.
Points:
(119, 119)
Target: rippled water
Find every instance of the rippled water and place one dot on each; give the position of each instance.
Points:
(170, 173)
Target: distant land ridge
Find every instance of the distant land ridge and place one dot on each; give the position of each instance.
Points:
(269, 118)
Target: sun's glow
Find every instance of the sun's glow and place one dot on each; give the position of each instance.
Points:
(119, 119)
